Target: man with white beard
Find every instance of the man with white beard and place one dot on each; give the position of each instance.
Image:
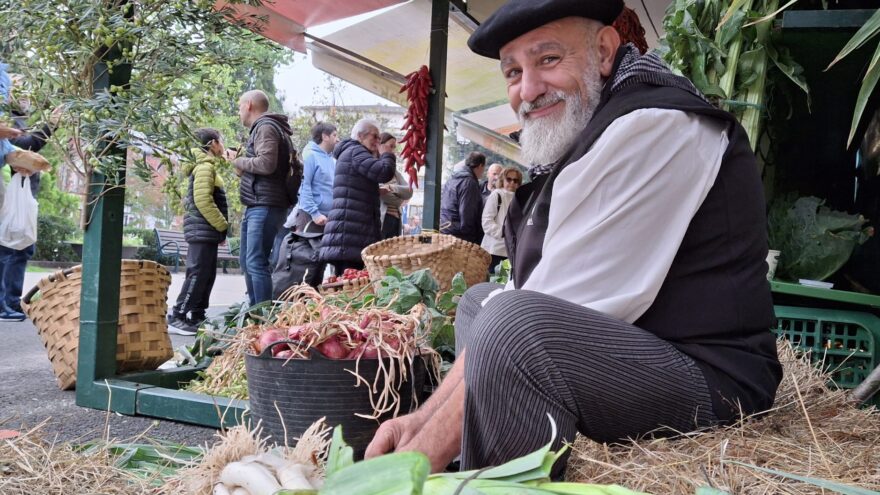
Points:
(638, 300)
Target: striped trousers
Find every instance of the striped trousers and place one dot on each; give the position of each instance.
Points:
(530, 355)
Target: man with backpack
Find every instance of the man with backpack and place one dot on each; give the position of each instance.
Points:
(266, 181)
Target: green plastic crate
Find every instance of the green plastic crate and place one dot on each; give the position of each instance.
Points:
(844, 343)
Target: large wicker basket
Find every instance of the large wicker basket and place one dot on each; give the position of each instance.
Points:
(350, 288)
(142, 338)
(444, 254)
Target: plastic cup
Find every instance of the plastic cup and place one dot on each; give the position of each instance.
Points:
(772, 261)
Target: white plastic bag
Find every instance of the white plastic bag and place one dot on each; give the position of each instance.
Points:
(18, 216)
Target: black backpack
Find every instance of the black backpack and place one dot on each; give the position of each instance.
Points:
(295, 175)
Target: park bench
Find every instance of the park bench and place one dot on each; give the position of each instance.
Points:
(172, 244)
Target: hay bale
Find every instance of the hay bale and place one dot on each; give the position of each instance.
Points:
(30, 465)
(812, 431)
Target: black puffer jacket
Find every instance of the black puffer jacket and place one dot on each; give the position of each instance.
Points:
(207, 214)
(461, 207)
(353, 223)
(266, 166)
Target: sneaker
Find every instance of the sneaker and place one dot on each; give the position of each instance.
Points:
(197, 320)
(7, 314)
(179, 326)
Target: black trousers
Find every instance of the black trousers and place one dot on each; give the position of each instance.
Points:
(530, 355)
(390, 226)
(201, 272)
(496, 260)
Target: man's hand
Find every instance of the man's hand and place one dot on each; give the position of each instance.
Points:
(9, 132)
(230, 154)
(393, 435)
(320, 219)
(383, 190)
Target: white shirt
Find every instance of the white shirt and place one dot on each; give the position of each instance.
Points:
(619, 214)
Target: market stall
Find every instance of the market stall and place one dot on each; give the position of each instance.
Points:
(768, 68)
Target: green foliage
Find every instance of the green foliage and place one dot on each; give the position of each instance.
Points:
(407, 473)
(52, 231)
(151, 461)
(814, 240)
(146, 239)
(53, 201)
(724, 47)
(187, 63)
(402, 292)
(502, 274)
(869, 82)
(822, 484)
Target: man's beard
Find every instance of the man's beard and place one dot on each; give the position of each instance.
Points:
(545, 139)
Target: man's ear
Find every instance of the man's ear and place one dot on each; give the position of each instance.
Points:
(607, 43)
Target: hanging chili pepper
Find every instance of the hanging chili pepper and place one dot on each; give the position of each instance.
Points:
(415, 140)
(630, 29)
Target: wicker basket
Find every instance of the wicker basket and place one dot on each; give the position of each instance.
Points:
(348, 287)
(142, 339)
(444, 254)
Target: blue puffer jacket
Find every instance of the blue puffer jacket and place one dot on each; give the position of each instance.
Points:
(353, 223)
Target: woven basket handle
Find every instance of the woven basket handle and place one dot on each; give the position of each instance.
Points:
(53, 277)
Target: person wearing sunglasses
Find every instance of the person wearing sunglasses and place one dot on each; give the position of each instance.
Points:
(494, 213)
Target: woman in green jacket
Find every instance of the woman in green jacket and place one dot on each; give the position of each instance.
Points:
(205, 225)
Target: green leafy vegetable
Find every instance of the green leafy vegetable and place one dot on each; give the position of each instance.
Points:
(814, 240)
(406, 473)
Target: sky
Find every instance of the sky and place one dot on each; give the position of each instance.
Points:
(303, 85)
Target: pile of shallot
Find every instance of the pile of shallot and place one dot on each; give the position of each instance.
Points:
(307, 322)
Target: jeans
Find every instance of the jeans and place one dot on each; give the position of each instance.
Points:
(12, 266)
(258, 230)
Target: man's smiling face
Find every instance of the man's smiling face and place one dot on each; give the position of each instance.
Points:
(554, 81)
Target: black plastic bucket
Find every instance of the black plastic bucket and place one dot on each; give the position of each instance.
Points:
(306, 390)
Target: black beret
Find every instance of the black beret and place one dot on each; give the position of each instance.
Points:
(517, 17)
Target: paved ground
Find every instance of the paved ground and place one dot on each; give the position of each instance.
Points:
(29, 394)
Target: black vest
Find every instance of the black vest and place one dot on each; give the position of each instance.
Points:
(195, 227)
(715, 304)
(272, 189)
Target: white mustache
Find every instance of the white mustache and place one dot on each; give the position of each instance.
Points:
(543, 101)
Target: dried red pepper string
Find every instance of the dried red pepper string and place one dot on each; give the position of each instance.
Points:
(415, 140)
(630, 29)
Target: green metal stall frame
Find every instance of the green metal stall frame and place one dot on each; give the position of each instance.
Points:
(156, 393)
